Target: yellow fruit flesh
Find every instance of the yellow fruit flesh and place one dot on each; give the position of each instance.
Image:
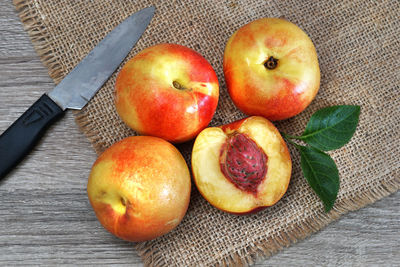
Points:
(222, 193)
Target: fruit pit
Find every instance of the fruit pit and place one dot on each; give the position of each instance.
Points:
(243, 163)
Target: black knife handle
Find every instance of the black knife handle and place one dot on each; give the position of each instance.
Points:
(23, 134)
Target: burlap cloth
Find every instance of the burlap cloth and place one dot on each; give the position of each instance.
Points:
(358, 47)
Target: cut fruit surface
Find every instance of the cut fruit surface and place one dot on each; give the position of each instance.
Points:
(269, 182)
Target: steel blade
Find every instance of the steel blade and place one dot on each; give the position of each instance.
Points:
(82, 83)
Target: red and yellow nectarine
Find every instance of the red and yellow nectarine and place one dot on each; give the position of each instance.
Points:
(139, 188)
(241, 167)
(167, 90)
(271, 69)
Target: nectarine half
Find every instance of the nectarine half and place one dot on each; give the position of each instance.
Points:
(241, 167)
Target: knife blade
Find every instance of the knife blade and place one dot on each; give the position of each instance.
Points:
(74, 91)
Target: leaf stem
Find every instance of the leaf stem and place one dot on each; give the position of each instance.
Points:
(287, 136)
(291, 142)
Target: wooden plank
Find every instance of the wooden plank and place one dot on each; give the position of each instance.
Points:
(45, 216)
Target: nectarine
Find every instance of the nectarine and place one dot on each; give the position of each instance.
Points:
(139, 188)
(167, 90)
(241, 167)
(271, 69)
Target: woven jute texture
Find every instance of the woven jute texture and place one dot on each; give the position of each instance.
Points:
(358, 47)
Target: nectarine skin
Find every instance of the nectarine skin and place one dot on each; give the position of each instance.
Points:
(167, 90)
(139, 188)
(271, 69)
(223, 192)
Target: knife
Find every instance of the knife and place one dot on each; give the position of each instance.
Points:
(74, 91)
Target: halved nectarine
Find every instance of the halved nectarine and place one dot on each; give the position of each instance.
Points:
(241, 167)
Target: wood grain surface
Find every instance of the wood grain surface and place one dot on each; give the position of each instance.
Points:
(45, 216)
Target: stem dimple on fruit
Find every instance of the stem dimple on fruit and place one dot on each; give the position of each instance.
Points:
(178, 85)
(271, 63)
(123, 202)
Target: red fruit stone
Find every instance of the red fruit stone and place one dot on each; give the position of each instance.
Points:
(243, 163)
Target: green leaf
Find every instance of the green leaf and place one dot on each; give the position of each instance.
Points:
(321, 173)
(332, 127)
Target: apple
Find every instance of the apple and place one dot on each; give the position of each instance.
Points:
(167, 90)
(271, 69)
(139, 188)
(241, 167)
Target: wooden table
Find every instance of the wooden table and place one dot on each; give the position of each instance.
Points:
(45, 216)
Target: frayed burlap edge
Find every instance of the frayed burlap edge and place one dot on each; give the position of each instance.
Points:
(268, 247)
(40, 39)
(151, 257)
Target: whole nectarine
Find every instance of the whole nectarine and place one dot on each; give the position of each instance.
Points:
(139, 188)
(271, 69)
(167, 90)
